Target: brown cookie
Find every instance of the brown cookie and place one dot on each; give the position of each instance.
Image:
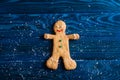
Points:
(61, 47)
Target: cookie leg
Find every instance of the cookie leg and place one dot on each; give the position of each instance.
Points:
(69, 63)
(52, 62)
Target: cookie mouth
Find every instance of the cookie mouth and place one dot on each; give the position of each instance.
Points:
(60, 30)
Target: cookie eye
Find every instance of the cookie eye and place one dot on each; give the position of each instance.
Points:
(57, 26)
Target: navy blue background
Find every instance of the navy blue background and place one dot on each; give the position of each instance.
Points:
(24, 51)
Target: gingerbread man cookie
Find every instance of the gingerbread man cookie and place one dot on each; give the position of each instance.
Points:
(61, 47)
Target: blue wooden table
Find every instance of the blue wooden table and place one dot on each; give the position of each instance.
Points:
(24, 51)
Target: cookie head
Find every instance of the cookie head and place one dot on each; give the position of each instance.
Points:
(59, 26)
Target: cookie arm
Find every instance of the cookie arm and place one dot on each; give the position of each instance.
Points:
(73, 36)
(48, 36)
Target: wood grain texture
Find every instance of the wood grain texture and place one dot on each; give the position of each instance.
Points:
(23, 49)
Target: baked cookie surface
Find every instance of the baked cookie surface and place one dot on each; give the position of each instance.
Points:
(61, 47)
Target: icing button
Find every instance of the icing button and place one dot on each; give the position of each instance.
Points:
(60, 40)
(60, 46)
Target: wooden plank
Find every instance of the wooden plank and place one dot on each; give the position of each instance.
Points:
(54, 6)
(86, 70)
